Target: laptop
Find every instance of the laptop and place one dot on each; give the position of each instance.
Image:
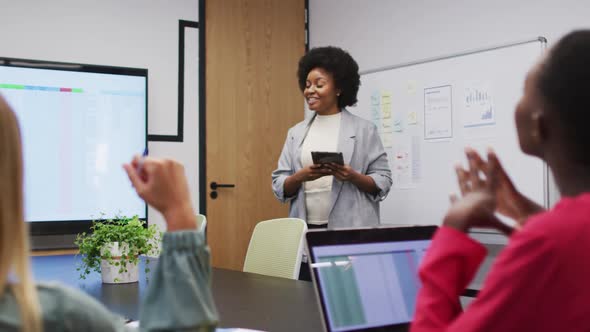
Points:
(367, 279)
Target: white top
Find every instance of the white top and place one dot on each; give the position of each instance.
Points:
(322, 136)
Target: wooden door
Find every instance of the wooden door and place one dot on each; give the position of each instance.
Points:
(252, 50)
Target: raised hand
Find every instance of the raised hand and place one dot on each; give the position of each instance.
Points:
(509, 201)
(475, 209)
(162, 184)
(479, 185)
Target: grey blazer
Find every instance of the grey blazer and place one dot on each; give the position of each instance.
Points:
(362, 149)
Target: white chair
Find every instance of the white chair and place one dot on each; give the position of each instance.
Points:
(276, 247)
(201, 223)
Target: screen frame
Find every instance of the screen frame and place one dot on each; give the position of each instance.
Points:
(41, 228)
(316, 238)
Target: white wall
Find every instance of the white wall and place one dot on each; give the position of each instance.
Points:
(130, 33)
(384, 32)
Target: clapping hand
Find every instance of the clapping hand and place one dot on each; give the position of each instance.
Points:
(510, 202)
(483, 188)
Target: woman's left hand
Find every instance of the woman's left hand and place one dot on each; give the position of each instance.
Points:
(343, 173)
(477, 206)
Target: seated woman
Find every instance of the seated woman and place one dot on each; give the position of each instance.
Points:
(178, 297)
(540, 280)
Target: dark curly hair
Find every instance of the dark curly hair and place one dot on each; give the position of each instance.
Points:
(337, 62)
(564, 83)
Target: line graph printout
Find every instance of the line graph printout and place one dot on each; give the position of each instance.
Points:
(438, 113)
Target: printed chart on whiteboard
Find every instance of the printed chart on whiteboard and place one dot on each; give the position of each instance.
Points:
(479, 108)
(438, 113)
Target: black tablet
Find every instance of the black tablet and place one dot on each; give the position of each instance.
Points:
(319, 158)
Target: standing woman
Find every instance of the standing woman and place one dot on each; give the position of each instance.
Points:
(333, 195)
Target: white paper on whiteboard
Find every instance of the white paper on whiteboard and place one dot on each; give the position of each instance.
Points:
(438, 113)
(403, 173)
(478, 107)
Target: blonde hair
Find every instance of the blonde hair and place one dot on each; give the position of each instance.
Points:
(14, 243)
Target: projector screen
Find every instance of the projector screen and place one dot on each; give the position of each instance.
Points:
(79, 124)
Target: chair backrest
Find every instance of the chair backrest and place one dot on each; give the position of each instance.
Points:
(276, 247)
(202, 222)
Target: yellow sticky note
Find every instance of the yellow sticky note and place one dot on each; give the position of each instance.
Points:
(385, 97)
(412, 118)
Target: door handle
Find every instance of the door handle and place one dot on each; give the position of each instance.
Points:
(214, 185)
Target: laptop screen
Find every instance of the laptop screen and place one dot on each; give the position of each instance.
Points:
(365, 286)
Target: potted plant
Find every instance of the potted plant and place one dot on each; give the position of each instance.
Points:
(113, 248)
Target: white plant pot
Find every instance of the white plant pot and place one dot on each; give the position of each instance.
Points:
(110, 272)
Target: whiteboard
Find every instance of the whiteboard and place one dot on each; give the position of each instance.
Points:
(427, 112)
